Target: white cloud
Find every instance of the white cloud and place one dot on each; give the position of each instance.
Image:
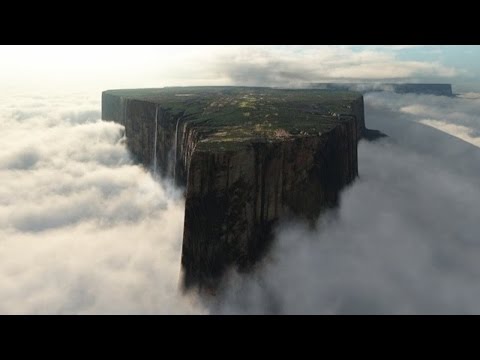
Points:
(82, 229)
(285, 66)
(97, 68)
(456, 116)
(469, 95)
(460, 131)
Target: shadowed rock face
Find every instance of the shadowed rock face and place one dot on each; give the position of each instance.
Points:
(247, 157)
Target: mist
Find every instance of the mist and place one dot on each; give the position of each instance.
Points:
(84, 230)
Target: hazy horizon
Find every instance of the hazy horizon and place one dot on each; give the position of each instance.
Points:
(93, 68)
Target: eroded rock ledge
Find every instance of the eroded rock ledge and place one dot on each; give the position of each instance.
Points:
(247, 158)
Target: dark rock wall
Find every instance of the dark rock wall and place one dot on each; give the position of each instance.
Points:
(429, 89)
(358, 112)
(234, 198)
(248, 191)
(139, 118)
(112, 108)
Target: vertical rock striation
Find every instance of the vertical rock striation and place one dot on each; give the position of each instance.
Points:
(247, 157)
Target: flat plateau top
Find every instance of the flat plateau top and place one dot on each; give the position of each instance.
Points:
(231, 116)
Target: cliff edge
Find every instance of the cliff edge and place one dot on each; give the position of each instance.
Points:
(247, 157)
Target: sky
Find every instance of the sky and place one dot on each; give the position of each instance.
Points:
(57, 68)
(86, 230)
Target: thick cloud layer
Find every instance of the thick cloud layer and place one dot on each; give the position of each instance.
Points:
(84, 230)
(406, 236)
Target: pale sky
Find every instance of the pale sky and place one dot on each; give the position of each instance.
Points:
(42, 68)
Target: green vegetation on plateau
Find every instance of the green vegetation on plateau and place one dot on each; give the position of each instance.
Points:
(229, 117)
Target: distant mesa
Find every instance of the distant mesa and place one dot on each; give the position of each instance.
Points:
(247, 158)
(427, 89)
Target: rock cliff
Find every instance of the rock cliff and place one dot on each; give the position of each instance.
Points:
(247, 157)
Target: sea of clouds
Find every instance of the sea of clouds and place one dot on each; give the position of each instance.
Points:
(84, 230)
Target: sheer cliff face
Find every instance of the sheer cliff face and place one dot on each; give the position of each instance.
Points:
(248, 158)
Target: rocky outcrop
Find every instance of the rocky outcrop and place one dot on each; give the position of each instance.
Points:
(235, 198)
(247, 157)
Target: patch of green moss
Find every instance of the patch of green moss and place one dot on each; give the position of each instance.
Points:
(229, 117)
